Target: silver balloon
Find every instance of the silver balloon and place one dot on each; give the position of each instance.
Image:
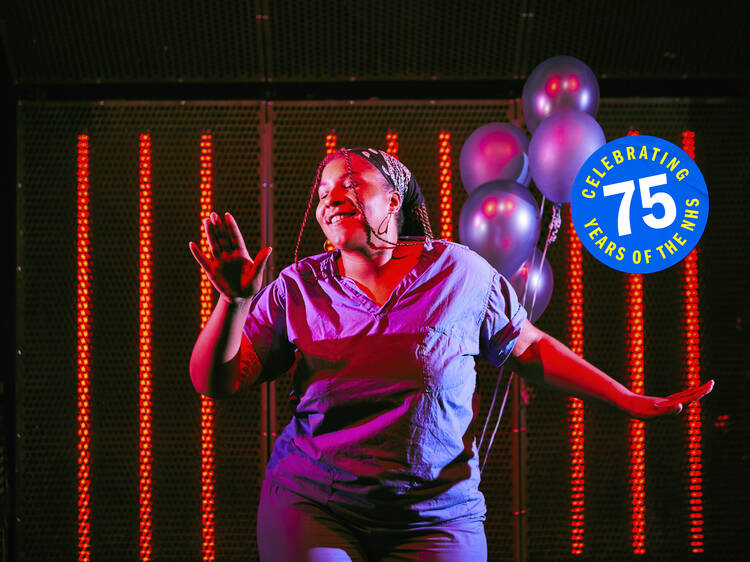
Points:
(559, 83)
(533, 283)
(495, 151)
(500, 221)
(558, 149)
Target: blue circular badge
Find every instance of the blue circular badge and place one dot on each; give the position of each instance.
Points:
(639, 204)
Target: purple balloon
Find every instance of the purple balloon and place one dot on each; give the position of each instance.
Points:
(500, 221)
(559, 147)
(559, 83)
(533, 284)
(495, 151)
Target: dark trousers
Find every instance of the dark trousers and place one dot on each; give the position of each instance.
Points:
(292, 528)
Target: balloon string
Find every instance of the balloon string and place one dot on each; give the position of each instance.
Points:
(533, 257)
(492, 407)
(497, 423)
(554, 225)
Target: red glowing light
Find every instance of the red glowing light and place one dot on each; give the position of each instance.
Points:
(331, 140)
(574, 326)
(446, 186)
(553, 85)
(83, 306)
(490, 207)
(573, 83)
(207, 405)
(634, 337)
(691, 362)
(391, 139)
(144, 298)
(722, 422)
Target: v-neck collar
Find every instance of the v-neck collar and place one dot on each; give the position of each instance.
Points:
(426, 258)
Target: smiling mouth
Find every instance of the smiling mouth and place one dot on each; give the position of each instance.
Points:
(335, 219)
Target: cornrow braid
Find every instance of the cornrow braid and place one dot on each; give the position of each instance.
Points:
(420, 212)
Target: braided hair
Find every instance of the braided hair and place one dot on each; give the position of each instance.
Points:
(412, 219)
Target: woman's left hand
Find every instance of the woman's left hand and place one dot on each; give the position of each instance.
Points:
(646, 407)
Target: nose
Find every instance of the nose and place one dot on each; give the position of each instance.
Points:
(336, 196)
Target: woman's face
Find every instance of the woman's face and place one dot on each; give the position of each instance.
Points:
(338, 213)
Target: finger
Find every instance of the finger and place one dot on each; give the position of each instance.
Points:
(259, 264)
(698, 392)
(693, 393)
(214, 244)
(222, 233)
(234, 233)
(261, 260)
(667, 407)
(199, 257)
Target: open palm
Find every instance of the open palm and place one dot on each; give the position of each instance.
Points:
(229, 267)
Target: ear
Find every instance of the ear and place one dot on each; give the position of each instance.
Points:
(395, 201)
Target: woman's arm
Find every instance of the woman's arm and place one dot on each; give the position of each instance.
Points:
(541, 359)
(222, 358)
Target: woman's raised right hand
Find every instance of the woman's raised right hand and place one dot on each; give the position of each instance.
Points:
(230, 269)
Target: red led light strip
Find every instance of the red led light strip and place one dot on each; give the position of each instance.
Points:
(446, 186)
(331, 140)
(637, 431)
(575, 406)
(83, 303)
(208, 444)
(391, 140)
(691, 340)
(144, 305)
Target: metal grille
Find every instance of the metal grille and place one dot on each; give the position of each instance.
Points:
(46, 391)
(90, 42)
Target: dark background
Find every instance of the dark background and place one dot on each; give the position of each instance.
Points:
(661, 69)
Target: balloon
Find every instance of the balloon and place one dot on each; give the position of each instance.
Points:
(534, 275)
(495, 151)
(556, 84)
(500, 221)
(558, 149)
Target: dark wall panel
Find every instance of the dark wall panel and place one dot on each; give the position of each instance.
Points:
(46, 388)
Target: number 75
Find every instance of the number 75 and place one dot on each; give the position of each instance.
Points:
(647, 199)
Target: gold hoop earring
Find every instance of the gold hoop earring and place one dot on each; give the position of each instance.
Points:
(388, 224)
(327, 246)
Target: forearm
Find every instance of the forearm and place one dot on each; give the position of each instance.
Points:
(216, 362)
(550, 363)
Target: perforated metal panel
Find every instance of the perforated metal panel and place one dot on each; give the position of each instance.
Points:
(47, 407)
(722, 154)
(46, 463)
(90, 42)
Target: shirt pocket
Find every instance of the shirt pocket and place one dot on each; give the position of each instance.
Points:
(446, 355)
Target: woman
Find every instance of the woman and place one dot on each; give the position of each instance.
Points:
(378, 461)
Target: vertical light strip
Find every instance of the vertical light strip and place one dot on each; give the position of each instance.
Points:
(331, 141)
(575, 406)
(144, 306)
(691, 341)
(637, 429)
(83, 306)
(446, 186)
(208, 445)
(391, 141)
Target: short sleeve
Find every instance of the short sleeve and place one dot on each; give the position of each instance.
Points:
(502, 321)
(265, 329)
